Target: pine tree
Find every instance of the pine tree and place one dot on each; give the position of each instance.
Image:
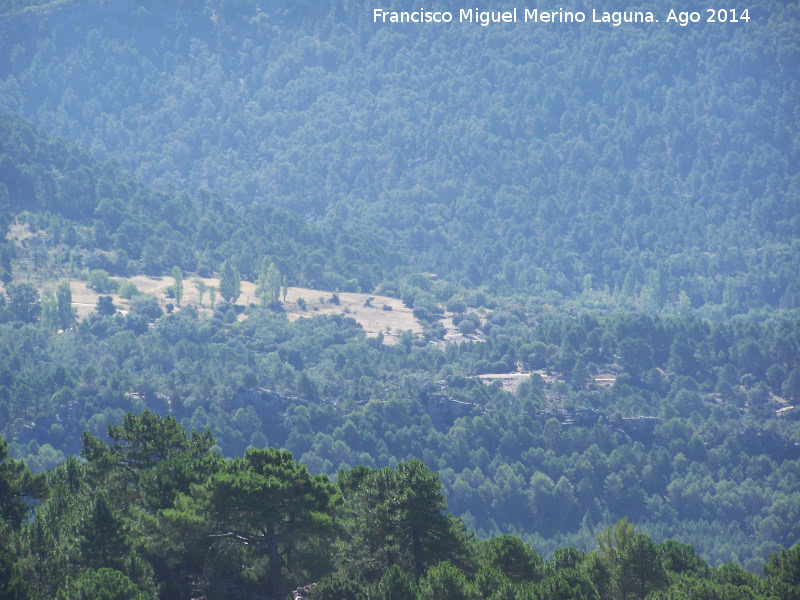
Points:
(514, 558)
(445, 582)
(783, 573)
(17, 486)
(102, 583)
(103, 543)
(398, 519)
(638, 570)
(268, 501)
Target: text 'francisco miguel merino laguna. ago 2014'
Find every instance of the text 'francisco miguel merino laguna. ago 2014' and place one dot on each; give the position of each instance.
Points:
(615, 18)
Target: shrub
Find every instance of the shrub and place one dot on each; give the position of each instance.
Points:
(128, 290)
(100, 282)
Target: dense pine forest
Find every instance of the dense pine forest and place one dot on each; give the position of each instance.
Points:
(593, 233)
(654, 161)
(157, 513)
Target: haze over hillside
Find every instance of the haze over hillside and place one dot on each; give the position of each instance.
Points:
(557, 263)
(653, 158)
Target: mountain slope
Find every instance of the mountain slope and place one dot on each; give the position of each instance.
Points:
(653, 159)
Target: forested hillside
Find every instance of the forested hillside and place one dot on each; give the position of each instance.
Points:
(628, 163)
(604, 222)
(95, 215)
(686, 426)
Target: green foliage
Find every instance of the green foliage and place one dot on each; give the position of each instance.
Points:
(396, 584)
(12, 582)
(66, 318)
(142, 441)
(100, 282)
(339, 587)
(638, 569)
(534, 458)
(177, 277)
(230, 286)
(269, 284)
(128, 290)
(105, 306)
(397, 519)
(101, 584)
(681, 558)
(683, 436)
(514, 559)
(49, 311)
(201, 288)
(23, 302)
(103, 543)
(783, 573)
(608, 188)
(648, 449)
(17, 487)
(569, 584)
(445, 582)
(144, 231)
(159, 514)
(791, 387)
(267, 502)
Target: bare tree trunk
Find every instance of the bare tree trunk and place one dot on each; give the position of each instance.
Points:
(275, 576)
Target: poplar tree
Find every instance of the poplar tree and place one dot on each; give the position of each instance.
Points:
(230, 284)
(66, 318)
(200, 285)
(273, 284)
(49, 306)
(177, 276)
(269, 283)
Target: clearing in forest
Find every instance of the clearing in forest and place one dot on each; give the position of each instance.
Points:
(376, 314)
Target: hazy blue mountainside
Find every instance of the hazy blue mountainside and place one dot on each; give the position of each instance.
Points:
(655, 159)
(97, 216)
(608, 216)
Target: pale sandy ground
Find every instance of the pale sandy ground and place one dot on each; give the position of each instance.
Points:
(374, 319)
(508, 381)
